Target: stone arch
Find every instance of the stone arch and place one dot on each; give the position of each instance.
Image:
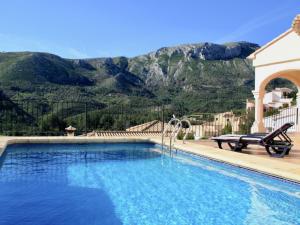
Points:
(291, 75)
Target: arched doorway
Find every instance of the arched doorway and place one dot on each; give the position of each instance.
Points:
(279, 58)
(287, 115)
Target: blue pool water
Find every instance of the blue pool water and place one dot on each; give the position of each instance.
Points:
(133, 183)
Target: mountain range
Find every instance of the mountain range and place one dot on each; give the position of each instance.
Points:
(189, 75)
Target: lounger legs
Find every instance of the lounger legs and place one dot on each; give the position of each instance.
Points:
(274, 151)
(236, 147)
(278, 152)
(220, 144)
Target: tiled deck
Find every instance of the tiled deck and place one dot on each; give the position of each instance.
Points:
(252, 158)
(293, 157)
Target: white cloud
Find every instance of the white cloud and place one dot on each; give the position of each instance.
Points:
(75, 53)
(256, 23)
(9, 42)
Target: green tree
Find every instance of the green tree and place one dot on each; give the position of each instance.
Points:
(227, 129)
(246, 122)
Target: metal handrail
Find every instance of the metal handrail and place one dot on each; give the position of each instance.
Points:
(176, 129)
(173, 119)
(187, 131)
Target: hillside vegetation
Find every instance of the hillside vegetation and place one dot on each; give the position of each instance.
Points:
(189, 75)
(42, 92)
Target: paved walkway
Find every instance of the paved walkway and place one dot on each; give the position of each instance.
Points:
(253, 158)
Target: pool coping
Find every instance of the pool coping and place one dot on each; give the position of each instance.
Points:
(268, 166)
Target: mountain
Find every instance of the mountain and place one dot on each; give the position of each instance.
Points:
(199, 68)
(39, 68)
(190, 74)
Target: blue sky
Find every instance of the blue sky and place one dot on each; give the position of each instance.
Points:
(101, 28)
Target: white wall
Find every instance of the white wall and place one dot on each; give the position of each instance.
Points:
(286, 48)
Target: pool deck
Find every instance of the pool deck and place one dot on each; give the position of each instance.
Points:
(253, 158)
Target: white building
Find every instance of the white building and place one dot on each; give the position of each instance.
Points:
(277, 98)
(280, 58)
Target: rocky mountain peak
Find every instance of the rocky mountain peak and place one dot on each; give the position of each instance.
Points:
(208, 51)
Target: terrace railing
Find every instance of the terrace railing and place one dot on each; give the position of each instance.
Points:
(51, 118)
(276, 118)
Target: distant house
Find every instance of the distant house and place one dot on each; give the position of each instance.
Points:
(217, 125)
(275, 99)
(211, 126)
(250, 104)
(152, 126)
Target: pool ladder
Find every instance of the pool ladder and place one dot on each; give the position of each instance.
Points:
(172, 130)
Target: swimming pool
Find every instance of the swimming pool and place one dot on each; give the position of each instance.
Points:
(133, 183)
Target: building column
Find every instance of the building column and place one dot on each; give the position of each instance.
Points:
(298, 110)
(258, 125)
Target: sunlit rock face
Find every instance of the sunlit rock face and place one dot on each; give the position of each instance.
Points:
(208, 51)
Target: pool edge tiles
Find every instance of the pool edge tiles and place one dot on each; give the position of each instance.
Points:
(196, 156)
(5, 140)
(267, 166)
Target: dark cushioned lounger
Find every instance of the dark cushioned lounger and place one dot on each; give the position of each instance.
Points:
(277, 143)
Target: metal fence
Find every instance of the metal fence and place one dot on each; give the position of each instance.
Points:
(276, 118)
(205, 125)
(51, 118)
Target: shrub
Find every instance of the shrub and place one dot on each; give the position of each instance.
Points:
(181, 134)
(246, 123)
(227, 129)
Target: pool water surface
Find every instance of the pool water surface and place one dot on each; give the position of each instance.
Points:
(133, 183)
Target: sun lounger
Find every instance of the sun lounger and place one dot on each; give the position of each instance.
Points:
(277, 143)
